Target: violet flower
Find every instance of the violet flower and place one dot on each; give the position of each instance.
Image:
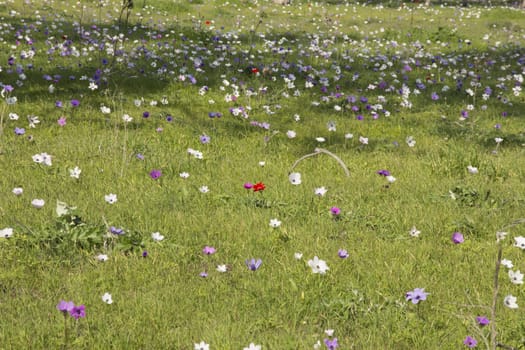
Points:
(416, 295)
(78, 311)
(253, 264)
(208, 250)
(457, 238)
(65, 306)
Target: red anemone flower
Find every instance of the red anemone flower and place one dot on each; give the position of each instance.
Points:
(259, 186)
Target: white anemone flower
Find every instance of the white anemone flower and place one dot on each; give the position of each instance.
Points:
(295, 178)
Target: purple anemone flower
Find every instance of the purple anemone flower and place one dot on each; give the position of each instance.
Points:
(335, 211)
(470, 342)
(78, 311)
(416, 295)
(253, 264)
(482, 320)
(65, 306)
(208, 250)
(331, 344)
(457, 238)
(155, 174)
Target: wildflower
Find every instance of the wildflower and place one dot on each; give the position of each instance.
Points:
(500, 236)
(116, 230)
(291, 134)
(222, 268)
(331, 344)
(298, 255)
(105, 110)
(62, 121)
(107, 298)
(145, 254)
(510, 301)
(33, 120)
(349, 136)
(65, 306)
(145, 114)
(342, 253)
(410, 141)
(416, 295)
(78, 311)
(470, 342)
(383, 172)
(38, 203)
(329, 332)
(275, 223)
(126, 118)
(253, 264)
(414, 232)
(204, 139)
(482, 321)
(17, 191)
(507, 263)
(203, 274)
(320, 139)
(335, 211)
(295, 178)
(331, 126)
(208, 250)
(140, 156)
(20, 131)
(248, 185)
(457, 238)
(157, 237)
(75, 172)
(155, 174)
(390, 179)
(498, 140)
(42, 158)
(102, 257)
(472, 170)
(252, 346)
(6, 232)
(363, 140)
(184, 175)
(318, 266)
(520, 242)
(516, 277)
(75, 103)
(204, 189)
(262, 163)
(259, 186)
(111, 198)
(320, 191)
(202, 346)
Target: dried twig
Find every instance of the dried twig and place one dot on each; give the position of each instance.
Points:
(318, 151)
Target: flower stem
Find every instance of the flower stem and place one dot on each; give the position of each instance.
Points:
(66, 333)
(493, 333)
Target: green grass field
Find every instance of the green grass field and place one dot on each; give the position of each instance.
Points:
(178, 107)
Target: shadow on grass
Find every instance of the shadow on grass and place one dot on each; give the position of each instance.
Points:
(150, 64)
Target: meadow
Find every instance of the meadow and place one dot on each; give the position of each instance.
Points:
(245, 175)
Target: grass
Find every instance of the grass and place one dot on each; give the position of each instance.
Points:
(161, 301)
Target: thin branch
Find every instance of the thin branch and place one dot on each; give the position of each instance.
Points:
(493, 333)
(318, 151)
(506, 347)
